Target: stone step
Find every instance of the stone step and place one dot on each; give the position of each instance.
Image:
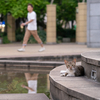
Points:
(25, 66)
(39, 96)
(91, 64)
(47, 63)
(45, 58)
(72, 88)
(25, 71)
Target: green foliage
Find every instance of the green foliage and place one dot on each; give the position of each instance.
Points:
(18, 8)
(5, 40)
(65, 11)
(42, 85)
(4, 37)
(59, 39)
(11, 83)
(15, 86)
(67, 33)
(19, 35)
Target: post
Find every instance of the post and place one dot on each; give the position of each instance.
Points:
(11, 28)
(51, 24)
(81, 20)
(48, 82)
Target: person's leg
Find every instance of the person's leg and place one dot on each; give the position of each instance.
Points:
(37, 38)
(34, 76)
(26, 38)
(27, 76)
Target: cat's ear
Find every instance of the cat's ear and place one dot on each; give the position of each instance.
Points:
(74, 60)
(65, 61)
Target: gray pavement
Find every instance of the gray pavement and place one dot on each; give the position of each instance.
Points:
(10, 50)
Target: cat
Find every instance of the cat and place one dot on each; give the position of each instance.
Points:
(72, 69)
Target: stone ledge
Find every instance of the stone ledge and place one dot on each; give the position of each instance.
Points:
(72, 88)
(91, 64)
(91, 58)
(50, 57)
(39, 96)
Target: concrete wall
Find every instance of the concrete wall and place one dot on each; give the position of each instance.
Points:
(81, 20)
(51, 24)
(93, 23)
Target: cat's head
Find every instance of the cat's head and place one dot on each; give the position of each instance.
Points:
(70, 64)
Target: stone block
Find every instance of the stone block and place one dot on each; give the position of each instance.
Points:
(51, 19)
(51, 8)
(51, 29)
(51, 40)
(50, 34)
(81, 39)
(81, 23)
(51, 24)
(81, 29)
(82, 12)
(51, 14)
(95, 36)
(94, 9)
(82, 6)
(95, 23)
(81, 34)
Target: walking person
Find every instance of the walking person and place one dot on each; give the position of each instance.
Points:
(32, 83)
(31, 29)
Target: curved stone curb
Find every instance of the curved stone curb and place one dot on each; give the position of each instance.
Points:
(91, 64)
(72, 88)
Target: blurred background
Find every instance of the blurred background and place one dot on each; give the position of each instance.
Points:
(14, 12)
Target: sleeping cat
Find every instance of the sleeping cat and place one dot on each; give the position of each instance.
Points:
(72, 69)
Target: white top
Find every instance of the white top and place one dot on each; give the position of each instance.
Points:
(32, 84)
(32, 25)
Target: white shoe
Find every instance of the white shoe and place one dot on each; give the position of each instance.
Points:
(42, 49)
(21, 50)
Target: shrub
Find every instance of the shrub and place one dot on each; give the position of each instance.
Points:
(19, 35)
(66, 33)
(5, 40)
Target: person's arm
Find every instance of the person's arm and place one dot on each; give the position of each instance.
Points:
(26, 87)
(32, 19)
(23, 24)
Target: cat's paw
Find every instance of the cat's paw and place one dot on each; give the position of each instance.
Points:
(62, 75)
(70, 75)
(62, 71)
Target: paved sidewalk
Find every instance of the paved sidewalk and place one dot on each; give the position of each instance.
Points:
(10, 50)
